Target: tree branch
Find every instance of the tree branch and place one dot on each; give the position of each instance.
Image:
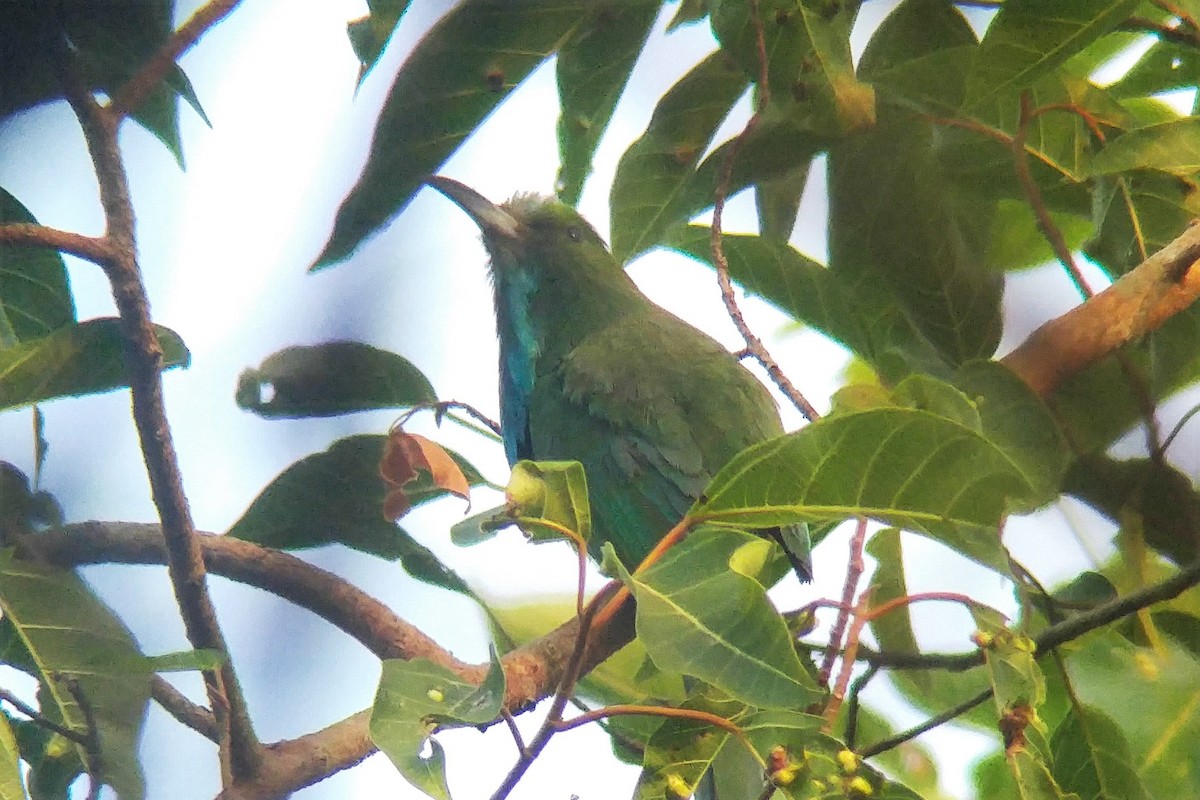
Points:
(754, 345)
(27, 234)
(1139, 302)
(131, 96)
(532, 671)
(144, 363)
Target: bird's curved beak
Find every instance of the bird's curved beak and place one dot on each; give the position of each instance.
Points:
(491, 218)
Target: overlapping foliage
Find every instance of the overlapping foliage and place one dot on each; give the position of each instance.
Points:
(956, 145)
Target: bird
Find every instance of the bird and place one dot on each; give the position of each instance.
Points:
(592, 370)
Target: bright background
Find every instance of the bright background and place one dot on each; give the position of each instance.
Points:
(225, 247)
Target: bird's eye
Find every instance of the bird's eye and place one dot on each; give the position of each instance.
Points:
(574, 234)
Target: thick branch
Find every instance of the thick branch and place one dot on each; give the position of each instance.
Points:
(533, 671)
(144, 362)
(28, 234)
(1141, 301)
(130, 96)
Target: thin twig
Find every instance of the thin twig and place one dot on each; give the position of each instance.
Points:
(138, 88)
(444, 406)
(1033, 196)
(1070, 628)
(669, 712)
(852, 702)
(41, 721)
(511, 722)
(559, 703)
(93, 760)
(853, 636)
(175, 703)
(854, 571)
(754, 345)
(28, 234)
(144, 364)
(927, 725)
(875, 612)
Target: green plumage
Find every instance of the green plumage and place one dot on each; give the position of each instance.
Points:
(591, 370)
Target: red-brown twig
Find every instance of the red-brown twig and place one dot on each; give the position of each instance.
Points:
(135, 91)
(754, 345)
(854, 571)
(875, 612)
(853, 636)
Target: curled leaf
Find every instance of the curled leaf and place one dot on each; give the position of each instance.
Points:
(405, 457)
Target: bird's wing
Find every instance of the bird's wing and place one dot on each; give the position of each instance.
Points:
(652, 408)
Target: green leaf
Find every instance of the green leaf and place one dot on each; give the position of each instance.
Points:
(804, 763)
(1019, 423)
(414, 697)
(35, 295)
(1153, 697)
(369, 35)
(1137, 215)
(1099, 404)
(893, 630)
(593, 66)
(809, 65)
(656, 170)
(1092, 759)
(68, 633)
(904, 467)
(896, 219)
(621, 678)
(1030, 38)
(1172, 147)
(458, 74)
(550, 491)
(912, 762)
(106, 48)
(698, 617)
(75, 360)
(331, 378)
(1166, 66)
(1181, 626)
(1016, 679)
(859, 314)
(12, 787)
(336, 496)
(679, 752)
(1017, 243)
(1019, 689)
(689, 12)
(1162, 496)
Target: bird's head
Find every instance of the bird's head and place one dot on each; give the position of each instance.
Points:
(537, 235)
